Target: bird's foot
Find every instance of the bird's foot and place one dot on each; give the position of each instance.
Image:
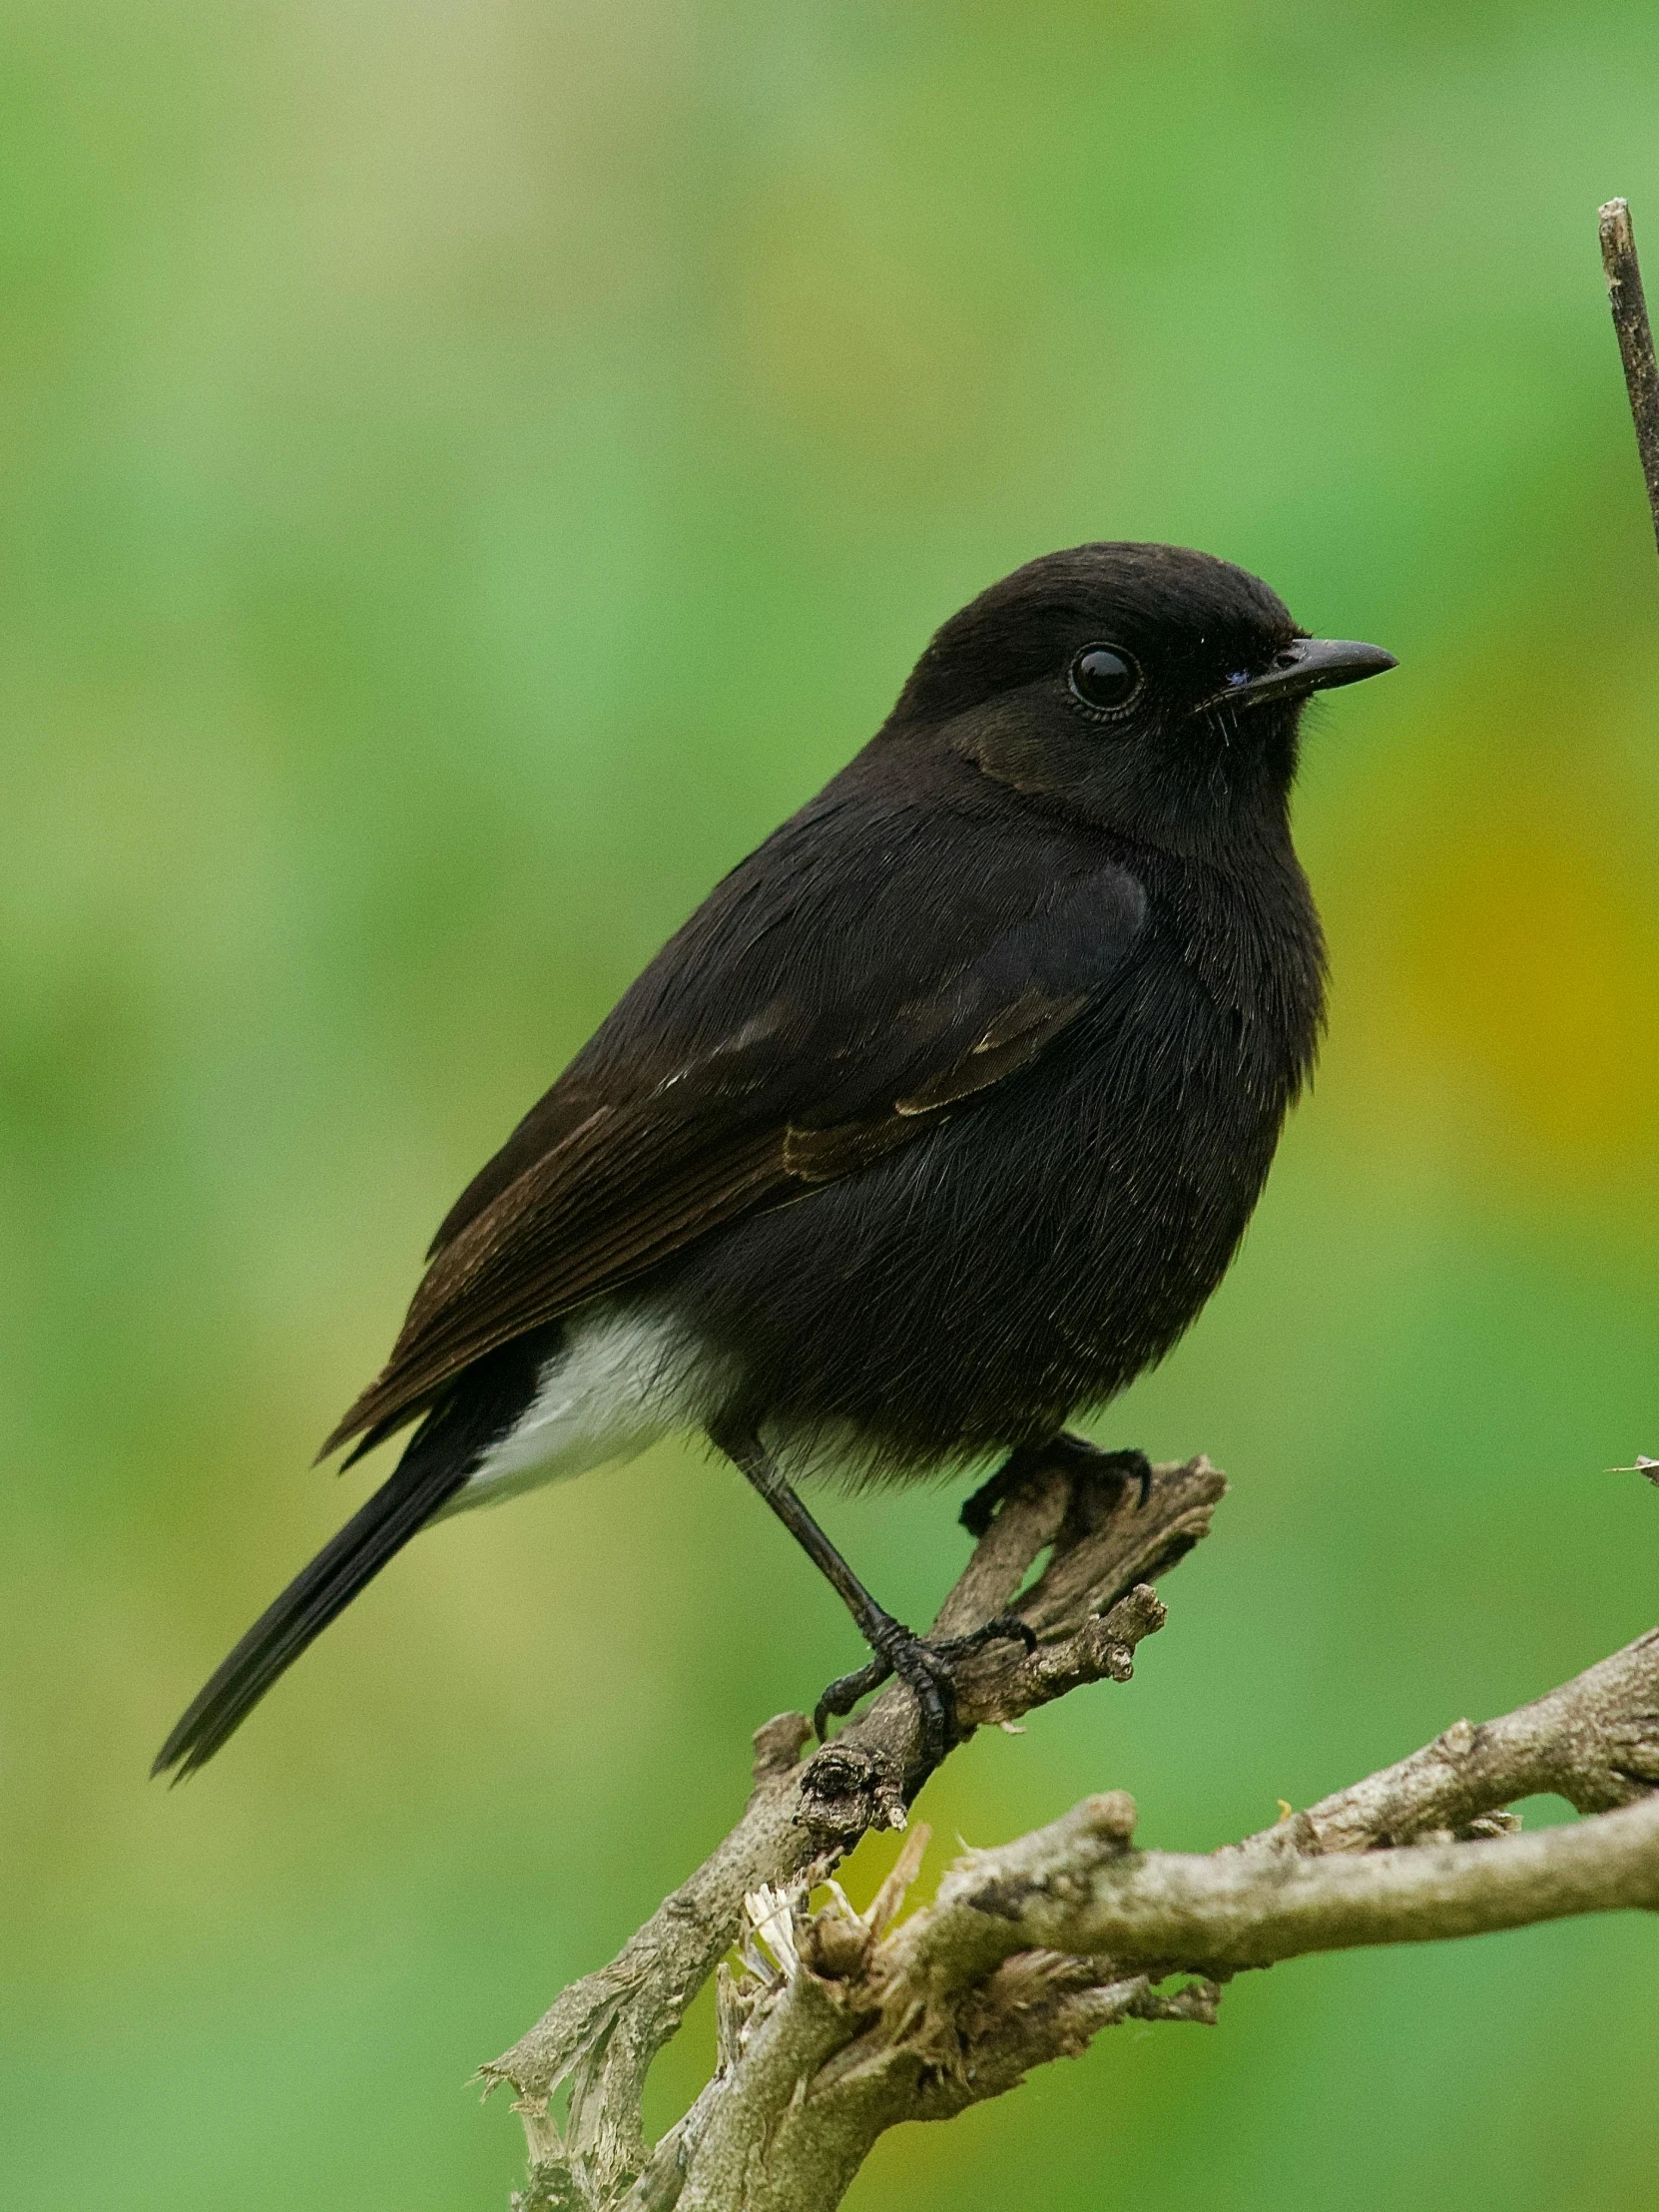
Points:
(1104, 1475)
(926, 1669)
(1108, 1473)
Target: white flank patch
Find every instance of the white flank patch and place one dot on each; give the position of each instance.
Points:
(622, 1379)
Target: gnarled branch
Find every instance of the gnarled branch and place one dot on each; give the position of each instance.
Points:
(1089, 1608)
(837, 2026)
(844, 2030)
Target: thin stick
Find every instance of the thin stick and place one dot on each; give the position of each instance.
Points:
(1641, 375)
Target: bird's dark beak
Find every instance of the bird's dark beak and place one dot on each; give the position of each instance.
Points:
(1308, 665)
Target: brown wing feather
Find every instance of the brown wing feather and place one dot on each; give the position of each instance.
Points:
(1011, 1041)
(631, 1185)
(552, 1240)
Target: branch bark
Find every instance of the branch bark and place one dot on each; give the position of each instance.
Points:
(1090, 1607)
(1641, 374)
(835, 2027)
(843, 2030)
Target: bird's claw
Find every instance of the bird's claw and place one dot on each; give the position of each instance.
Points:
(1107, 1475)
(926, 1670)
(843, 1693)
(1085, 1462)
(1128, 1466)
(1007, 1627)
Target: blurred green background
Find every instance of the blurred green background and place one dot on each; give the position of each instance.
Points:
(465, 473)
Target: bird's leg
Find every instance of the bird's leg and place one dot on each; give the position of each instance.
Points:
(924, 1668)
(1094, 1471)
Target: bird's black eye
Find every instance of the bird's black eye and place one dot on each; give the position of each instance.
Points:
(1104, 677)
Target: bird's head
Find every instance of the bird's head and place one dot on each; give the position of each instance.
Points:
(1144, 688)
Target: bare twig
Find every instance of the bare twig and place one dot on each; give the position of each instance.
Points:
(1641, 375)
(1077, 1887)
(1594, 1741)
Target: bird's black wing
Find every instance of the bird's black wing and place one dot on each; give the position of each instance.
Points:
(821, 1009)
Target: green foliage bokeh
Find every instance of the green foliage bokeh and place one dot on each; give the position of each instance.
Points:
(464, 473)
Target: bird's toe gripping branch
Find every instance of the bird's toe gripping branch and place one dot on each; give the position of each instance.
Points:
(928, 1669)
(1097, 1476)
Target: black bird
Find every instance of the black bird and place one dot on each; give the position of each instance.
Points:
(938, 1120)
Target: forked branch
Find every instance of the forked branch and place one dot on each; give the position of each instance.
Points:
(1091, 1606)
(834, 2025)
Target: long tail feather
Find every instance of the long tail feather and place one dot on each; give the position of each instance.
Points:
(440, 1458)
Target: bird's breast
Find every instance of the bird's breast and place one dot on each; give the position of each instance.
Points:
(1042, 1244)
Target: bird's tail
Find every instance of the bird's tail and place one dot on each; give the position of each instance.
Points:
(440, 1458)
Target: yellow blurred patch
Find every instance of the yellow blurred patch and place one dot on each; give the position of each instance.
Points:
(1497, 951)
